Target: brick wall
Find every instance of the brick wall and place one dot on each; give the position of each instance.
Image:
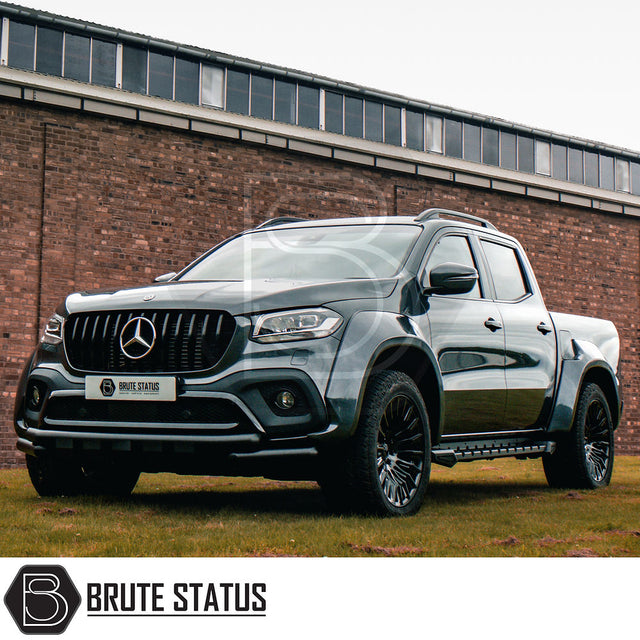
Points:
(92, 202)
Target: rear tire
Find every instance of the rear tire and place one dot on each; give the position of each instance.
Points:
(384, 469)
(584, 459)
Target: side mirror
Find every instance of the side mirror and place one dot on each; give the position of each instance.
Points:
(165, 277)
(450, 278)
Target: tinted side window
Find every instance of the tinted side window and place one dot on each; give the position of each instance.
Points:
(454, 249)
(505, 270)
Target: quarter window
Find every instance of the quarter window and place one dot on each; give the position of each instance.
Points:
(454, 249)
(506, 271)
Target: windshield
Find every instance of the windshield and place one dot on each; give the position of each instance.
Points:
(311, 253)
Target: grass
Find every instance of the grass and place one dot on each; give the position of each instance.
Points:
(497, 508)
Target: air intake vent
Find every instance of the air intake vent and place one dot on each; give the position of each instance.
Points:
(185, 341)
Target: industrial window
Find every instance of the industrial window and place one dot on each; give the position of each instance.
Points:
(333, 112)
(453, 138)
(160, 75)
(134, 69)
(622, 175)
(506, 271)
(434, 134)
(373, 121)
(471, 139)
(21, 45)
(635, 178)
(559, 158)
(237, 91)
(507, 150)
(77, 51)
(490, 148)
(187, 81)
(576, 172)
(606, 172)
(525, 154)
(543, 157)
(353, 117)
(103, 63)
(262, 97)
(285, 104)
(212, 86)
(49, 51)
(308, 107)
(415, 130)
(591, 168)
(392, 125)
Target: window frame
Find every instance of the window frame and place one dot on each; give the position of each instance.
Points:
(524, 271)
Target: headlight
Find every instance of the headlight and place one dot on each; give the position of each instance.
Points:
(53, 331)
(304, 324)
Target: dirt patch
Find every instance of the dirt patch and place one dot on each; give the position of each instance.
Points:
(387, 551)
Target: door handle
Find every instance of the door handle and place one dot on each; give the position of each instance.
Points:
(544, 328)
(492, 325)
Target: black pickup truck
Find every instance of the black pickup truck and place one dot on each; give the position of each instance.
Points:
(355, 352)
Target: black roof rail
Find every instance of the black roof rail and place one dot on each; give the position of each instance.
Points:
(429, 214)
(273, 222)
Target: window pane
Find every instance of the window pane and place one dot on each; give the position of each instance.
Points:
(262, 97)
(353, 125)
(434, 134)
(333, 112)
(415, 130)
(559, 161)
(453, 138)
(575, 165)
(213, 86)
(622, 175)
(507, 150)
(471, 142)
(373, 121)
(392, 126)
(76, 57)
(187, 81)
(134, 69)
(490, 140)
(237, 91)
(505, 271)
(285, 107)
(160, 75)
(606, 172)
(525, 154)
(591, 168)
(543, 157)
(308, 107)
(635, 178)
(454, 249)
(21, 45)
(103, 63)
(49, 51)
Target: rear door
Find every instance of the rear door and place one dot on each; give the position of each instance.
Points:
(468, 341)
(530, 342)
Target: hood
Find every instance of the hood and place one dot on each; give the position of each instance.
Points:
(236, 297)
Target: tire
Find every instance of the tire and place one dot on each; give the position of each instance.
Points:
(584, 459)
(52, 476)
(384, 469)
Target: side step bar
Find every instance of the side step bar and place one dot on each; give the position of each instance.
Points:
(468, 451)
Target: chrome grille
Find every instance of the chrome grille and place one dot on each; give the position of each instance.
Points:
(185, 341)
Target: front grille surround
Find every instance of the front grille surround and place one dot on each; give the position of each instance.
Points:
(186, 341)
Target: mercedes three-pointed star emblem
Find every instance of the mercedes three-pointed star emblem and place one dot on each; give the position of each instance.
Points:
(137, 338)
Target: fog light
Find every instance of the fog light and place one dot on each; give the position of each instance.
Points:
(35, 396)
(285, 400)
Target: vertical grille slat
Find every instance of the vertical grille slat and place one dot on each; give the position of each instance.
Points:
(185, 341)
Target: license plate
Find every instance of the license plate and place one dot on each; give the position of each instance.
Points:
(147, 388)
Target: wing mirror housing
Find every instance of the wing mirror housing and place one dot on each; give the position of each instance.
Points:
(450, 278)
(165, 277)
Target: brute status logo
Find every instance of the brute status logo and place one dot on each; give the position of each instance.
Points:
(42, 599)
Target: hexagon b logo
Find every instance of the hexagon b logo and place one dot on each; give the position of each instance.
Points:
(42, 599)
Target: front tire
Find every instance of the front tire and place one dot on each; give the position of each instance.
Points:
(384, 470)
(584, 459)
